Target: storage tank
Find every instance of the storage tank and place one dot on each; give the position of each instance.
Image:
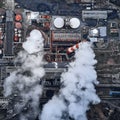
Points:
(19, 31)
(94, 32)
(15, 29)
(74, 23)
(59, 22)
(18, 25)
(19, 35)
(18, 17)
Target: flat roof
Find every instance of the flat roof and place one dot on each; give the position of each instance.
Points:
(8, 45)
(95, 14)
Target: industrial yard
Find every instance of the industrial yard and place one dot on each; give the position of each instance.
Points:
(63, 25)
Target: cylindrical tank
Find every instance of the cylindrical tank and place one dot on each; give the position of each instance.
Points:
(19, 31)
(18, 25)
(74, 23)
(94, 32)
(59, 22)
(16, 32)
(19, 35)
(18, 17)
(15, 29)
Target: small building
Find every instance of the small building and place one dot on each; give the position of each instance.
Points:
(114, 32)
(34, 15)
(103, 31)
(94, 32)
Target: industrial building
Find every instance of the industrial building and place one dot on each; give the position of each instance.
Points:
(8, 44)
(94, 14)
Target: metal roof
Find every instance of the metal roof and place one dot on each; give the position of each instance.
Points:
(95, 14)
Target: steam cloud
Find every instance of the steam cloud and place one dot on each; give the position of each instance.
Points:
(77, 90)
(23, 85)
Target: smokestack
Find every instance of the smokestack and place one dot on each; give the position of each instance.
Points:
(72, 49)
(77, 91)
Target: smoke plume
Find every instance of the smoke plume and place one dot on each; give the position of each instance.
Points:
(23, 85)
(77, 91)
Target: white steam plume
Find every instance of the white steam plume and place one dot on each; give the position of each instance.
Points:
(25, 81)
(78, 89)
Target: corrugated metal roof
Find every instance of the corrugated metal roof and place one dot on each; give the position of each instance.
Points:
(95, 14)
